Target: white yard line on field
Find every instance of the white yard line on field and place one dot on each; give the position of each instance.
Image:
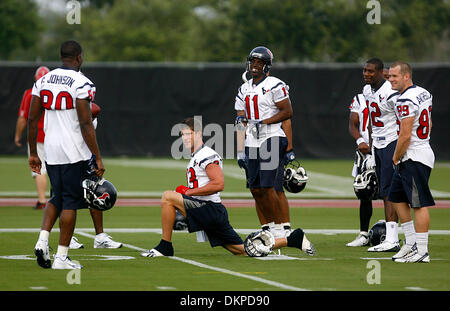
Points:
(204, 266)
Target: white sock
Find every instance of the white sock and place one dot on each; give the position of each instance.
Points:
(422, 242)
(100, 235)
(62, 251)
(392, 231)
(271, 225)
(278, 227)
(43, 235)
(410, 232)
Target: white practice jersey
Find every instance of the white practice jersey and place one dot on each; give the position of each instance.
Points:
(59, 90)
(381, 103)
(196, 171)
(359, 106)
(258, 102)
(416, 102)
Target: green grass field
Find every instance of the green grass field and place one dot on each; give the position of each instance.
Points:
(198, 267)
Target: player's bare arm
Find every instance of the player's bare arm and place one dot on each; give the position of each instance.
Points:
(353, 128)
(216, 182)
(240, 138)
(404, 139)
(88, 132)
(20, 127)
(34, 115)
(286, 125)
(285, 112)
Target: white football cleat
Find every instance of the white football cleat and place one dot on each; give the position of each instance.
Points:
(385, 247)
(151, 253)
(405, 251)
(42, 254)
(103, 240)
(60, 263)
(414, 257)
(74, 244)
(307, 246)
(361, 240)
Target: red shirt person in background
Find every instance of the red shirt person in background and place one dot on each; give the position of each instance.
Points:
(41, 180)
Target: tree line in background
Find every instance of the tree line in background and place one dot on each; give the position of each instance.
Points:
(226, 30)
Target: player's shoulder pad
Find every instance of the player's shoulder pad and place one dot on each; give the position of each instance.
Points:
(274, 82)
(388, 91)
(207, 156)
(367, 90)
(415, 94)
(360, 97)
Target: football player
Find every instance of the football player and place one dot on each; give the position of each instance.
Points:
(413, 159)
(380, 99)
(40, 179)
(200, 202)
(358, 129)
(70, 141)
(102, 240)
(264, 108)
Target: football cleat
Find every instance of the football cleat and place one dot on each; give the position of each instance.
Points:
(308, 247)
(361, 240)
(151, 253)
(61, 263)
(405, 251)
(103, 240)
(42, 254)
(74, 244)
(414, 257)
(385, 247)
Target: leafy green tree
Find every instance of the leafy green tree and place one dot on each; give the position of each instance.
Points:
(20, 26)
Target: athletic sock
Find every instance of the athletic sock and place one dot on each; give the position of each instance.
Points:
(410, 233)
(364, 233)
(295, 239)
(43, 235)
(422, 242)
(165, 248)
(62, 251)
(392, 231)
(365, 213)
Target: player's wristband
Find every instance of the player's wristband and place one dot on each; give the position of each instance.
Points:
(360, 140)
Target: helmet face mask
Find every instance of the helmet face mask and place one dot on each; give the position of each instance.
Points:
(100, 194)
(295, 177)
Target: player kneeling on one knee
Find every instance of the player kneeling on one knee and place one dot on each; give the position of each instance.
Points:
(200, 204)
